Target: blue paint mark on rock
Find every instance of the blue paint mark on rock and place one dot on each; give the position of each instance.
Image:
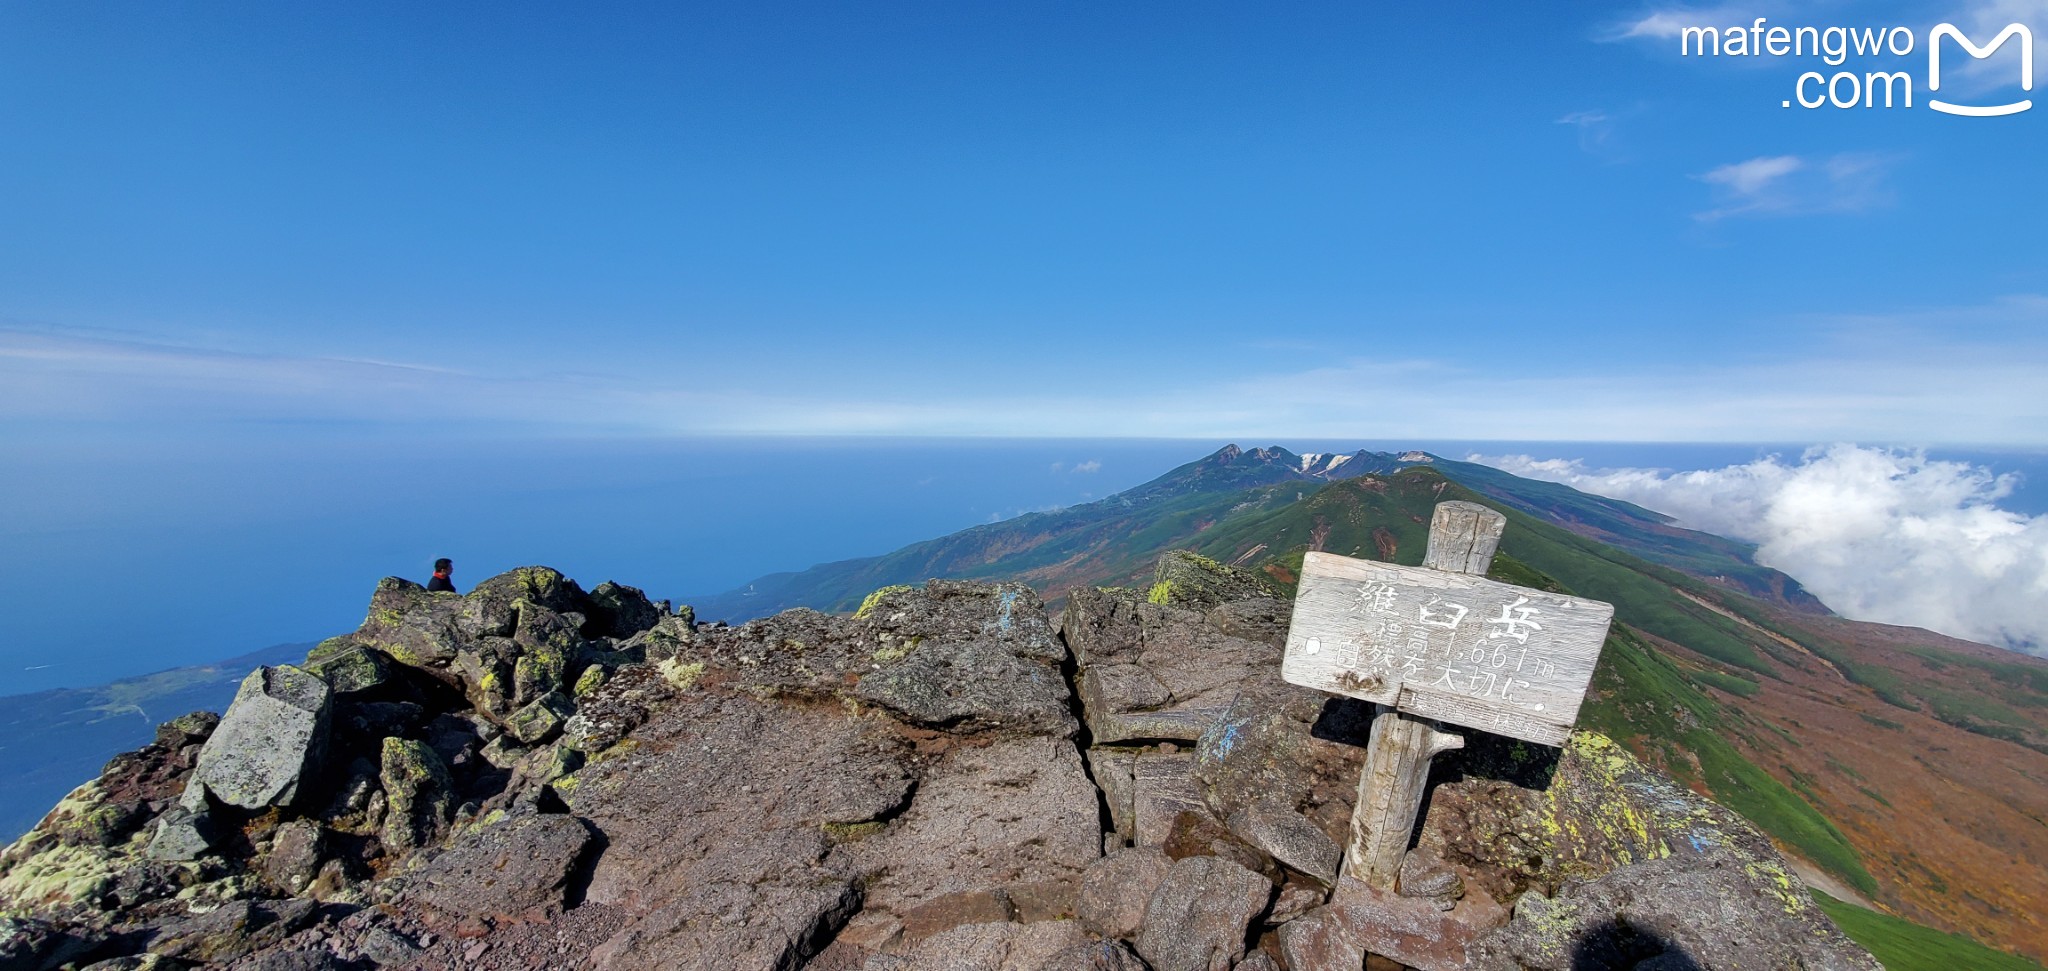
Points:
(1009, 602)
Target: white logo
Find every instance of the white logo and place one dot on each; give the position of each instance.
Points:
(2026, 68)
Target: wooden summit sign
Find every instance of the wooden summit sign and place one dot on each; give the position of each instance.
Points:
(1441, 643)
(1458, 648)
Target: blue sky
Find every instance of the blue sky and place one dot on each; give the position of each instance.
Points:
(1526, 221)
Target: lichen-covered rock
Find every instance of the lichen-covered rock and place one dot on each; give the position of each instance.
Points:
(620, 611)
(1196, 920)
(418, 791)
(233, 930)
(541, 719)
(954, 655)
(349, 669)
(1183, 578)
(271, 738)
(181, 835)
(294, 857)
(1721, 909)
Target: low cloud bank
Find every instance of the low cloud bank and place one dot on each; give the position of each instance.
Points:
(1877, 534)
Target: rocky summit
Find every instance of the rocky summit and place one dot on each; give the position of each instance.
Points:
(533, 775)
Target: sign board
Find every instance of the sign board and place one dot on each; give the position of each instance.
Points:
(1450, 646)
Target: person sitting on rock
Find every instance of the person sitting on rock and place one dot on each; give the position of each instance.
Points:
(442, 567)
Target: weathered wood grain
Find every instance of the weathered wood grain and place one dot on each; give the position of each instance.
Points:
(1390, 790)
(1459, 648)
(1462, 537)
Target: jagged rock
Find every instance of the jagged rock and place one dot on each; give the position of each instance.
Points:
(1196, 833)
(510, 870)
(1318, 941)
(294, 857)
(541, 719)
(1152, 672)
(384, 946)
(1289, 838)
(359, 801)
(349, 669)
(1713, 911)
(407, 622)
(1117, 888)
(491, 607)
(1196, 920)
(548, 644)
(30, 943)
(186, 730)
(620, 611)
(272, 736)
(181, 836)
(1186, 579)
(1425, 876)
(418, 791)
(953, 655)
(1257, 961)
(233, 930)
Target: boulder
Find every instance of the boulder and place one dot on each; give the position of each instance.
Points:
(1116, 890)
(1149, 671)
(273, 735)
(418, 793)
(233, 930)
(1196, 920)
(294, 857)
(514, 869)
(181, 835)
(349, 669)
(1289, 838)
(621, 611)
(541, 719)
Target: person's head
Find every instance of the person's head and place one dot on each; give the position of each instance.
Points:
(444, 565)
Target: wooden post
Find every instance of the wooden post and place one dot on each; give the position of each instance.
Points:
(1462, 538)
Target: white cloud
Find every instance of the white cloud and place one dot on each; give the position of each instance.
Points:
(1788, 185)
(1877, 534)
(1754, 176)
(1091, 465)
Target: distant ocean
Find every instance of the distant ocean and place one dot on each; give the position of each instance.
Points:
(121, 561)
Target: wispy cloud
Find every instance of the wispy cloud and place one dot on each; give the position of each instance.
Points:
(1089, 466)
(1665, 23)
(1963, 374)
(1877, 534)
(1596, 130)
(1791, 185)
